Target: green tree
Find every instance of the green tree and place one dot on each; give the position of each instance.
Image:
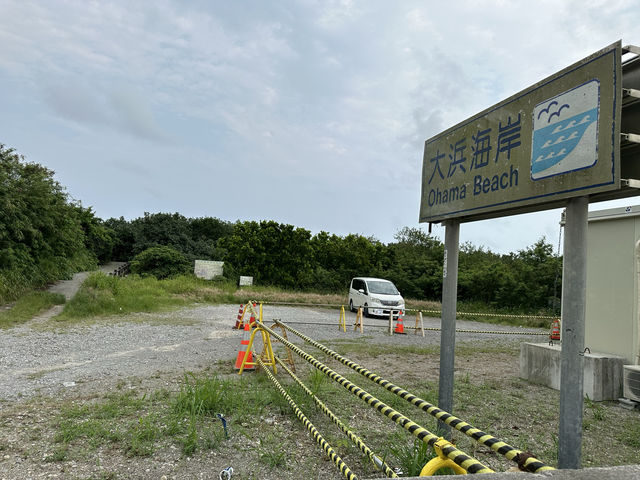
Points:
(414, 263)
(41, 235)
(273, 253)
(98, 237)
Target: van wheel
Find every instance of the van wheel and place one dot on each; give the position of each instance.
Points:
(366, 311)
(351, 306)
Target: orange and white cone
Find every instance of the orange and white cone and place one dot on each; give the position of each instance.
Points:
(252, 319)
(239, 325)
(244, 344)
(399, 325)
(555, 330)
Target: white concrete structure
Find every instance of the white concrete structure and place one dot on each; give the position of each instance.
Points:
(613, 266)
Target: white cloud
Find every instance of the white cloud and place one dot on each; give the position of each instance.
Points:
(336, 95)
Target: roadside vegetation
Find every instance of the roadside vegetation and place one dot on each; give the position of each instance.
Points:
(101, 296)
(45, 235)
(29, 306)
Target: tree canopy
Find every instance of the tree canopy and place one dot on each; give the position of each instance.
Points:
(44, 236)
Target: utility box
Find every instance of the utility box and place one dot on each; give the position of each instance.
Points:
(612, 322)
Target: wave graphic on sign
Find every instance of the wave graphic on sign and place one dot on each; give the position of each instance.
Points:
(565, 132)
(554, 143)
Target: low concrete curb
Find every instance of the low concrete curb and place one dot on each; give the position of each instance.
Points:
(626, 472)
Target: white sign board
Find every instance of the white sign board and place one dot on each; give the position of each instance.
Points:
(246, 281)
(207, 269)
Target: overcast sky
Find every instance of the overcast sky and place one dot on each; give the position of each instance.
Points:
(312, 113)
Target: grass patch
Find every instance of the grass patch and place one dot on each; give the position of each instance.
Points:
(137, 425)
(265, 433)
(28, 306)
(102, 295)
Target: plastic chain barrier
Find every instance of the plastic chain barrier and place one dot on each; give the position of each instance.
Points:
(377, 461)
(502, 315)
(435, 329)
(478, 314)
(470, 464)
(531, 463)
(346, 471)
(489, 331)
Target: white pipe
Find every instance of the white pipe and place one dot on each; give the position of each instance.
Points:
(637, 293)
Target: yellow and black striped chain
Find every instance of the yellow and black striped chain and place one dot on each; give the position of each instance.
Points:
(377, 461)
(470, 464)
(335, 458)
(531, 464)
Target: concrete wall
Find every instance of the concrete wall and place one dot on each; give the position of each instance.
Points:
(611, 323)
(540, 363)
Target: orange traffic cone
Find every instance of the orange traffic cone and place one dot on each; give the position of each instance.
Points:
(244, 343)
(555, 330)
(252, 319)
(399, 325)
(239, 324)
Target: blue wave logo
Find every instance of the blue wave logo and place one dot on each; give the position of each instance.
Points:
(553, 143)
(565, 132)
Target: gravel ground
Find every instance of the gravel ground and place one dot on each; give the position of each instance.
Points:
(44, 366)
(51, 361)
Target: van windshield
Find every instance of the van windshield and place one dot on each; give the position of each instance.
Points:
(384, 288)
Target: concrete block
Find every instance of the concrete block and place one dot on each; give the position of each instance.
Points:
(540, 363)
(207, 269)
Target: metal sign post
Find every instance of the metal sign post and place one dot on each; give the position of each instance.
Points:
(448, 321)
(574, 300)
(570, 139)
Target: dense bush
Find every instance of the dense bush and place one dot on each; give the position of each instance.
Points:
(43, 235)
(161, 262)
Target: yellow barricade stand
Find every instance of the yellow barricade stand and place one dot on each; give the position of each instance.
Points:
(441, 461)
(341, 320)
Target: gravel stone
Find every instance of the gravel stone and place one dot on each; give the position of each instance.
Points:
(36, 361)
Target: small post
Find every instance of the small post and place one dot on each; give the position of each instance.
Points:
(359, 321)
(419, 324)
(391, 322)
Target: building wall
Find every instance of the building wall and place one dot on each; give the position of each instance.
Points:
(612, 286)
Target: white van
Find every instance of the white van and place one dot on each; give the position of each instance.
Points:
(376, 295)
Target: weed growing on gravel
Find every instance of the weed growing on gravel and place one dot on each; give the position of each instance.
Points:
(271, 453)
(58, 455)
(204, 396)
(409, 457)
(29, 306)
(141, 436)
(630, 436)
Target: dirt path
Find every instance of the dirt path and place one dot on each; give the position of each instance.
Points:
(69, 288)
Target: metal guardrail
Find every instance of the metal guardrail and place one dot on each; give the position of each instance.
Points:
(122, 271)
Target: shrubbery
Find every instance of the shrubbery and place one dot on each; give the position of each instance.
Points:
(44, 236)
(161, 262)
